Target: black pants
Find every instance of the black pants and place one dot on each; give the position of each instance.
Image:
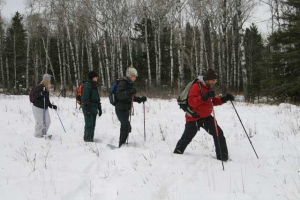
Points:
(191, 128)
(89, 128)
(123, 116)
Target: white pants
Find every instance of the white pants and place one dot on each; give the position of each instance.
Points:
(41, 127)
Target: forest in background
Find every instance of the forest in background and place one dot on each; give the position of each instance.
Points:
(169, 42)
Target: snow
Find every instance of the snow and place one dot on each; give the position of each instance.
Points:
(68, 168)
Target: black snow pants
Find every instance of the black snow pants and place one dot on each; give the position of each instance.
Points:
(191, 128)
(123, 116)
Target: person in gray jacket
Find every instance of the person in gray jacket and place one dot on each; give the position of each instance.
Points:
(42, 119)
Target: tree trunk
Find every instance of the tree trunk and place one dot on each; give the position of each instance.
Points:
(48, 60)
(224, 66)
(82, 58)
(106, 62)
(120, 57)
(100, 65)
(242, 51)
(172, 59)
(7, 73)
(46, 47)
(201, 51)
(36, 67)
(159, 54)
(15, 62)
(64, 68)
(1, 62)
(212, 50)
(156, 57)
(89, 52)
(27, 62)
(113, 59)
(68, 64)
(180, 50)
(148, 52)
(130, 49)
(77, 57)
(220, 57)
(233, 60)
(228, 65)
(60, 66)
(196, 52)
(72, 55)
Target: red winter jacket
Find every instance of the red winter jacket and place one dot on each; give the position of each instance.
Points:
(204, 109)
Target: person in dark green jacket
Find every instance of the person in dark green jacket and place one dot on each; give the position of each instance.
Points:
(91, 106)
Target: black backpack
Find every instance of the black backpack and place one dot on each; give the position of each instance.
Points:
(183, 99)
(31, 94)
(112, 96)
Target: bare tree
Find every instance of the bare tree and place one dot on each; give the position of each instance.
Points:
(2, 3)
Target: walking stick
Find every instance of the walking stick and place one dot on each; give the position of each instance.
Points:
(44, 113)
(245, 130)
(61, 122)
(144, 122)
(130, 113)
(217, 132)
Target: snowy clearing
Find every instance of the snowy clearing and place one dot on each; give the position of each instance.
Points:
(68, 168)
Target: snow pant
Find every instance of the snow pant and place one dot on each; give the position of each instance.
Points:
(123, 116)
(89, 128)
(41, 125)
(191, 128)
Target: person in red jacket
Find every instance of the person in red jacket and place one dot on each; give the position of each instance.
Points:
(201, 101)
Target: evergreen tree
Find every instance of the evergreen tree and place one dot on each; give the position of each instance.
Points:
(285, 45)
(15, 49)
(253, 51)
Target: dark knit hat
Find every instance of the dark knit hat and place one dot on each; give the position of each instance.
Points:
(92, 75)
(210, 75)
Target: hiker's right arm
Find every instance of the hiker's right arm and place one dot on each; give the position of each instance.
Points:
(121, 91)
(86, 89)
(194, 98)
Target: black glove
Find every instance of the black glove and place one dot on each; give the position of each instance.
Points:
(143, 99)
(208, 94)
(138, 99)
(54, 107)
(227, 97)
(99, 109)
(131, 91)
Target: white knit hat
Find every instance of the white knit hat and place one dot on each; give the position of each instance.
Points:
(130, 72)
(47, 77)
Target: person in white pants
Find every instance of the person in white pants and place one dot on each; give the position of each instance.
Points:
(38, 94)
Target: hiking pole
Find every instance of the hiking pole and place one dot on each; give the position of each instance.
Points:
(44, 113)
(130, 113)
(217, 132)
(144, 122)
(245, 130)
(61, 122)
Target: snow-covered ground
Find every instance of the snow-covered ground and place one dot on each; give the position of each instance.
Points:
(70, 169)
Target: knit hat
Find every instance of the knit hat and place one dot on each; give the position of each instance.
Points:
(130, 72)
(210, 75)
(92, 75)
(46, 78)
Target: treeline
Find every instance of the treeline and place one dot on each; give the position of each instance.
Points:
(170, 42)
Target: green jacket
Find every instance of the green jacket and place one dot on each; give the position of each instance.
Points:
(90, 97)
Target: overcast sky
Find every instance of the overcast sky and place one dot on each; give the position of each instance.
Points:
(12, 6)
(260, 14)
